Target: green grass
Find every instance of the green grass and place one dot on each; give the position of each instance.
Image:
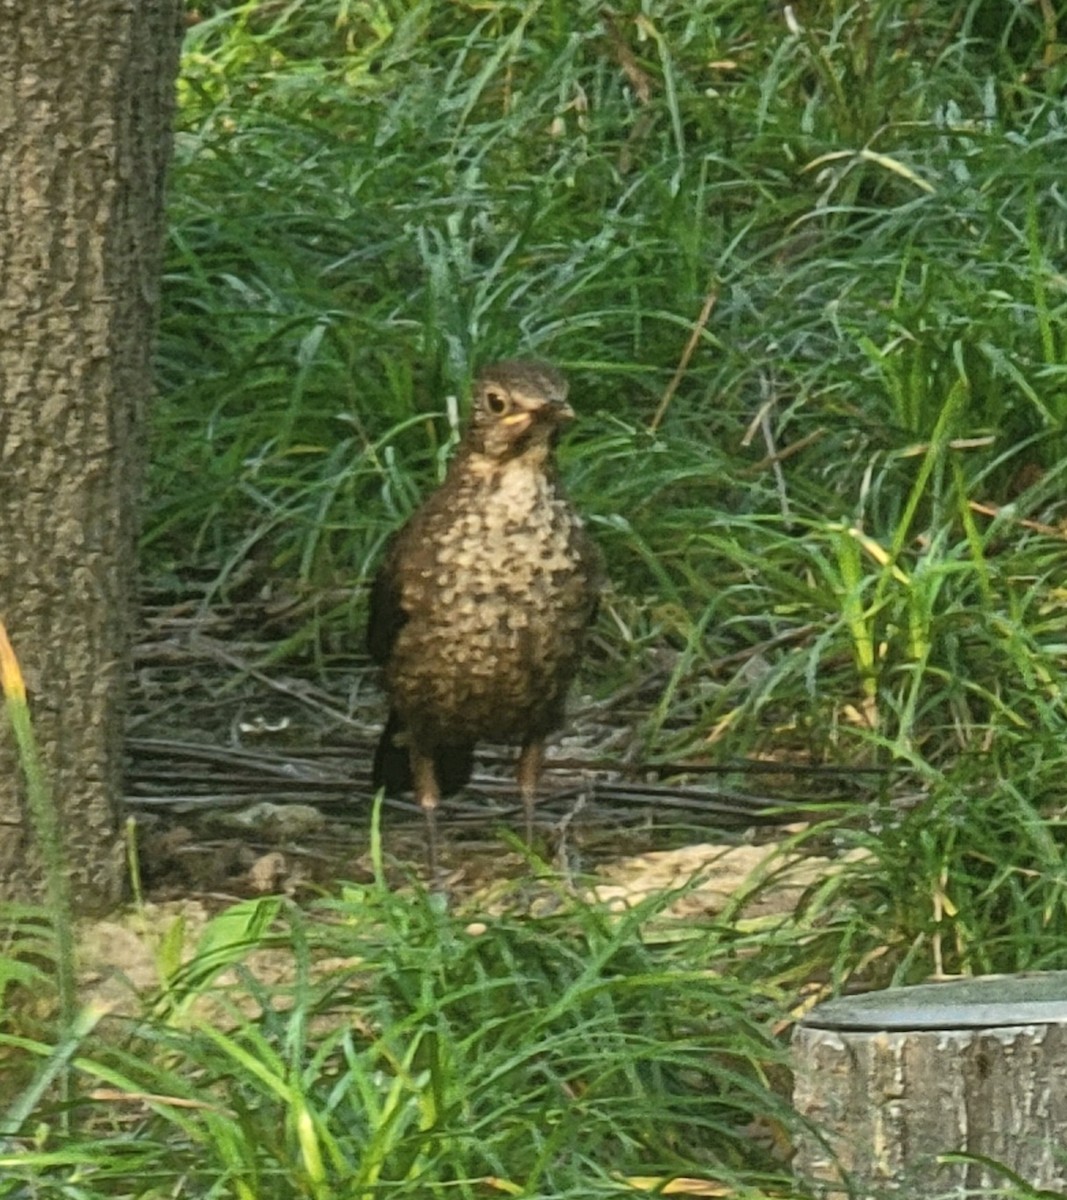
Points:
(844, 538)
(551, 1057)
(369, 201)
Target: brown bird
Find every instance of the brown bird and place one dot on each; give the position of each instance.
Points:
(480, 607)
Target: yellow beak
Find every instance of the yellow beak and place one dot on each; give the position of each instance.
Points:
(559, 412)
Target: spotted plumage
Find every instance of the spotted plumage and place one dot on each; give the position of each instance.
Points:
(480, 607)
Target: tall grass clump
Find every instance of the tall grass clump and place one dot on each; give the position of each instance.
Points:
(410, 1052)
(37, 955)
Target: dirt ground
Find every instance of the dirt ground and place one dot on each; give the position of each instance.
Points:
(119, 957)
(248, 781)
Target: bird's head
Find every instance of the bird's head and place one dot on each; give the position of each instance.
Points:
(518, 405)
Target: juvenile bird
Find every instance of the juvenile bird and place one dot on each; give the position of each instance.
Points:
(479, 609)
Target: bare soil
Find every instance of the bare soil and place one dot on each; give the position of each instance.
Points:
(248, 779)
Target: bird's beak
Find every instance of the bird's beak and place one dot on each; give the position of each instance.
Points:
(557, 412)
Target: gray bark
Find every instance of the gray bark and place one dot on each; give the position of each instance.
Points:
(982, 1071)
(86, 111)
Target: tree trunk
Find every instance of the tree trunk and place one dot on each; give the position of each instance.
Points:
(896, 1079)
(86, 110)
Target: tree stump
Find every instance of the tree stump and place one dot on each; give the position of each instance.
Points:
(893, 1079)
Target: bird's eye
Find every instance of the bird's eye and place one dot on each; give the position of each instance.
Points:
(496, 403)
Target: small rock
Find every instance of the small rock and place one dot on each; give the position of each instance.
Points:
(279, 822)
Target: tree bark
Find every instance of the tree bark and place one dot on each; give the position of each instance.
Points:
(896, 1079)
(86, 112)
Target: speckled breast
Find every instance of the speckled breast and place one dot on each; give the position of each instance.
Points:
(496, 612)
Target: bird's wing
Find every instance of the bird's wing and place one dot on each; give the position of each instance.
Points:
(594, 568)
(395, 592)
(386, 616)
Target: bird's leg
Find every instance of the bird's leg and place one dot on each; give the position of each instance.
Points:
(531, 760)
(428, 794)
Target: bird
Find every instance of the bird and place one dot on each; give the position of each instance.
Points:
(479, 609)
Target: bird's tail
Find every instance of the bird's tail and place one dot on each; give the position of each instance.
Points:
(453, 764)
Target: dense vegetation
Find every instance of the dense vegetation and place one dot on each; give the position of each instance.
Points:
(804, 268)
